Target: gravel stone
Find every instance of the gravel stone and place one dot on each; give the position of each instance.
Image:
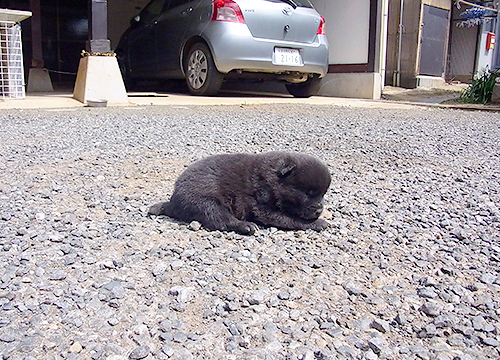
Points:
(431, 309)
(140, 352)
(407, 269)
(380, 325)
(377, 344)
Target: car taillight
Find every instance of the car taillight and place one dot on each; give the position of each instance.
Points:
(227, 10)
(322, 25)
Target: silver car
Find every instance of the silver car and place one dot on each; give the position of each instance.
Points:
(210, 41)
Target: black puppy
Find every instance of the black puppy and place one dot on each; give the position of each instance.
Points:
(235, 192)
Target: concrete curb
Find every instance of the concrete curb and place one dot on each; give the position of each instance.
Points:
(66, 100)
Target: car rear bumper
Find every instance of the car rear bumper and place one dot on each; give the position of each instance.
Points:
(234, 48)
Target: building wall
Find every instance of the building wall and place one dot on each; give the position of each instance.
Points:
(392, 42)
(409, 44)
(443, 4)
(462, 55)
(468, 54)
(411, 32)
(484, 57)
(347, 29)
(357, 38)
(412, 16)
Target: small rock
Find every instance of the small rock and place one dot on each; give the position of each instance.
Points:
(427, 293)
(176, 265)
(180, 337)
(443, 321)
(347, 351)
(194, 225)
(370, 355)
(478, 323)
(57, 275)
(380, 325)
(401, 319)
(112, 290)
(376, 344)
(256, 297)
(76, 347)
(139, 353)
(491, 342)
(113, 321)
(7, 337)
(283, 295)
(428, 331)
(431, 309)
(167, 350)
(352, 288)
(335, 332)
(488, 278)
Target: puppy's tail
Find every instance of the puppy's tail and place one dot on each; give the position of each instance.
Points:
(163, 208)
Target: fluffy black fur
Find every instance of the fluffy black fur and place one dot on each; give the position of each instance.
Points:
(234, 192)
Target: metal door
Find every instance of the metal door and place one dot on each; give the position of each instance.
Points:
(433, 40)
(173, 26)
(143, 52)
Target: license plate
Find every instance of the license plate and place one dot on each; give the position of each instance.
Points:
(283, 56)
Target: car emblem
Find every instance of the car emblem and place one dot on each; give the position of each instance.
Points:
(287, 11)
(287, 28)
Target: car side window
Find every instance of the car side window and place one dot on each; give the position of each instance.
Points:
(300, 3)
(175, 3)
(152, 10)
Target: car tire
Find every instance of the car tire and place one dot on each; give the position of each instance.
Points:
(129, 83)
(202, 76)
(305, 89)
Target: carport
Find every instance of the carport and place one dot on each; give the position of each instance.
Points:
(356, 31)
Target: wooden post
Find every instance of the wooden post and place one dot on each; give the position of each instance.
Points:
(98, 27)
(38, 77)
(99, 76)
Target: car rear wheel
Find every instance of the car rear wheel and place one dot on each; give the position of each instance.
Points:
(305, 89)
(202, 77)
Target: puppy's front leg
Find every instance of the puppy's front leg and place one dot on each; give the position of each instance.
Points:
(285, 222)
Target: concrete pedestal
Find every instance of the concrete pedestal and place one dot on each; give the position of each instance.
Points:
(39, 81)
(99, 77)
(430, 81)
(352, 85)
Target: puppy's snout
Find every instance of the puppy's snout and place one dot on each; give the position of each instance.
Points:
(313, 211)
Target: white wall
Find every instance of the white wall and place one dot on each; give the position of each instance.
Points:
(484, 57)
(347, 26)
(347, 29)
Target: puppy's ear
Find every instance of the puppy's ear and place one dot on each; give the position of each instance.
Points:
(286, 168)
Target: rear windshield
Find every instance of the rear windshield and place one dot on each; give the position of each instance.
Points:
(300, 3)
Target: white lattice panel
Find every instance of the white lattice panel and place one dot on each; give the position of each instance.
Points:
(11, 62)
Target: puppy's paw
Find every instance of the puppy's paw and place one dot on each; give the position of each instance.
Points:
(157, 209)
(245, 228)
(318, 225)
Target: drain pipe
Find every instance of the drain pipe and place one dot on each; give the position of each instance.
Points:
(383, 40)
(398, 70)
(496, 53)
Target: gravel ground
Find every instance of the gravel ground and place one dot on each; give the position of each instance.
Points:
(408, 269)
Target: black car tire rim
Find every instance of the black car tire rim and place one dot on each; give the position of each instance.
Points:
(197, 69)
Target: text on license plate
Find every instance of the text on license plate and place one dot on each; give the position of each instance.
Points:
(283, 56)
